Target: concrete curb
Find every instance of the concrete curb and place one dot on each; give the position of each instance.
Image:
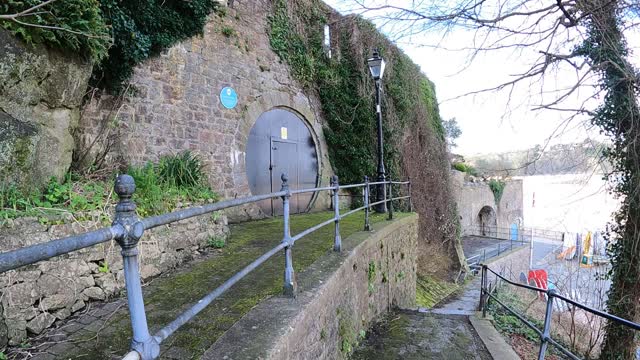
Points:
(498, 348)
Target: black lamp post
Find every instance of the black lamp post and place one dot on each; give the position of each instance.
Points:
(376, 66)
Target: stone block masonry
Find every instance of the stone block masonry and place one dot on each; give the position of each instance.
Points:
(34, 297)
(175, 103)
(341, 294)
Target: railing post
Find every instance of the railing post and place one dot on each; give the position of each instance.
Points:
(367, 208)
(544, 338)
(410, 198)
(390, 200)
(125, 216)
(337, 241)
(480, 306)
(289, 288)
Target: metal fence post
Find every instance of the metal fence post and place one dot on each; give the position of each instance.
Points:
(125, 216)
(390, 200)
(367, 208)
(480, 306)
(289, 288)
(410, 198)
(544, 338)
(337, 241)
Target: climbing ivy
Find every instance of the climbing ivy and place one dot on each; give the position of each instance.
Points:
(345, 88)
(617, 118)
(497, 187)
(116, 35)
(72, 25)
(143, 28)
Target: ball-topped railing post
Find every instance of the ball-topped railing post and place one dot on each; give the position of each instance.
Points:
(125, 216)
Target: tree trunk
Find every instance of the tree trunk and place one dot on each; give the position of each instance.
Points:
(619, 118)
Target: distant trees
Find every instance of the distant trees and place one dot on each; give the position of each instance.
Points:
(451, 132)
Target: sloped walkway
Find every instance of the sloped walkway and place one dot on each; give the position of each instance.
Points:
(103, 330)
(444, 332)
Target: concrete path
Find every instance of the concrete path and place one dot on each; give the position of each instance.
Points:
(448, 331)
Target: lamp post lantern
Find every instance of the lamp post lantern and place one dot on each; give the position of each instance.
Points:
(376, 66)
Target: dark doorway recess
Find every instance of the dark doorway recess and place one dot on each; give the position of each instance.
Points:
(280, 142)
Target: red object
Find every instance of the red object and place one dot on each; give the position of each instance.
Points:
(538, 277)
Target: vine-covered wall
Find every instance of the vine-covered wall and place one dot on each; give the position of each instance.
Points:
(413, 132)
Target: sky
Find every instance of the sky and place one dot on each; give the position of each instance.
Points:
(490, 122)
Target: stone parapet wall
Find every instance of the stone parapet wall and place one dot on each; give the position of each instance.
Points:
(35, 296)
(340, 296)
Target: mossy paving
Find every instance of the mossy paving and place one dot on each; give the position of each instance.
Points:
(410, 335)
(167, 296)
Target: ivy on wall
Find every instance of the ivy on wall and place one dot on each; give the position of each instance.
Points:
(345, 88)
(114, 34)
(412, 128)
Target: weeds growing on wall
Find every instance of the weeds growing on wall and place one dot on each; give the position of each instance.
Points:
(157, 191)
(497, 187)
(465, 168)
(413, 133)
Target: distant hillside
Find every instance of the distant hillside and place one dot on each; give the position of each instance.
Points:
(557, 159)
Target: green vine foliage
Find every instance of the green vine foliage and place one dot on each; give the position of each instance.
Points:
(82, 28)
(143, 28)
(412, 128)
(497, 188)
(617, 117)
(116, 35)
(346, 89)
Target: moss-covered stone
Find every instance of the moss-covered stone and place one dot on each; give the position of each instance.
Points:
(430, 291)
(40, 94)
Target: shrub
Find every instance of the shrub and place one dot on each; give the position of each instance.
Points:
(182, 170)
(465, 168)
(157, 191)
(497, 187)
(82, 28)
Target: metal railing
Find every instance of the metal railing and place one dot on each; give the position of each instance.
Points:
(486, 293)
(490, 252)
(522, 234)
(127, 229)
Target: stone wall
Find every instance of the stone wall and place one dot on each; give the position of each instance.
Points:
(40, 95)
(341, 295)
(510, 264)
(35, 296)
(173, 103)
(471, 197)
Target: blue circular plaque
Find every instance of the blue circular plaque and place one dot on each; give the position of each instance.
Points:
(228, 97)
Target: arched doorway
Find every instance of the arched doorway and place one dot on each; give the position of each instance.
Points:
(280, 142)
(487, 221)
